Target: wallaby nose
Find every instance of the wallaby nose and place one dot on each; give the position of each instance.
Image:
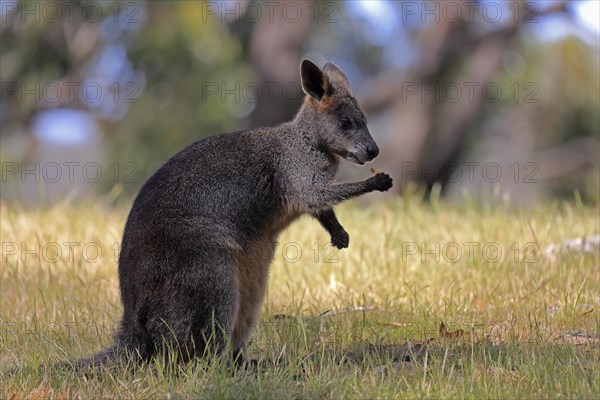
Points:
(373, 151)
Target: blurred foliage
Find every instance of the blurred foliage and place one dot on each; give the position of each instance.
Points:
(173, 50)
(176, 48)
(179, 56)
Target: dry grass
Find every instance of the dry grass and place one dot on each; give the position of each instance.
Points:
(335, 324)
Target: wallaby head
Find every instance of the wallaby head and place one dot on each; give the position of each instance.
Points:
(332, 111)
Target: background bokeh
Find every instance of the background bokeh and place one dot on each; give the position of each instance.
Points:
(498, 99)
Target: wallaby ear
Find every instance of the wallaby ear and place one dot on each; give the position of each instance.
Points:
(336, 75)
(314, 81)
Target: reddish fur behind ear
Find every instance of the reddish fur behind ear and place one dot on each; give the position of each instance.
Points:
(322, 105)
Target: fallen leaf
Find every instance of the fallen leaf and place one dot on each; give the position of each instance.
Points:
(450, 334)
(588, 311)
(480, 304)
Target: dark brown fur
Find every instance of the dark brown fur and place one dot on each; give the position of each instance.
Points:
(202, 232)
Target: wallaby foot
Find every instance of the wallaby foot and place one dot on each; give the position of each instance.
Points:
(243, 362)
(381, 181)
(340, 239)
(329, 221)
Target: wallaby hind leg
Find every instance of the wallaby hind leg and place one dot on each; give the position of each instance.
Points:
(253, 273)
(200, 304)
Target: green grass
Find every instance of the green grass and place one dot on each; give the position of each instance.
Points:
(353, 324)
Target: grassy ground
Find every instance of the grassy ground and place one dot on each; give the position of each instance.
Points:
(364, 322)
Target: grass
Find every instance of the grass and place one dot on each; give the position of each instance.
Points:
(359, 323)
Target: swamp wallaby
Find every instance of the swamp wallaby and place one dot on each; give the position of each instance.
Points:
(201, 234)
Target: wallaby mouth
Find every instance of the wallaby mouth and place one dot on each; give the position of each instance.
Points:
(357, 158)
(362, 154)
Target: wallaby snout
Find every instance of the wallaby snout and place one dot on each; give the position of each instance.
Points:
(373, 151)
(363, 151)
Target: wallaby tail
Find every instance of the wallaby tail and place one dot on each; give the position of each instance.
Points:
(103, 359)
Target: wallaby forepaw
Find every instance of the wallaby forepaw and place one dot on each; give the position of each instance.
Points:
(340, 239)
(382, 182)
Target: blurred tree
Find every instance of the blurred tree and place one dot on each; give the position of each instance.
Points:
(430, 133)
(194, 78)
(173, 72)
(275, 52)
(163, 70)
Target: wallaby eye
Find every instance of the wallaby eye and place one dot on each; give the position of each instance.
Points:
(345, 123)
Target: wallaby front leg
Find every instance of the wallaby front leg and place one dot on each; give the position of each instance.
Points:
(329, 221)
(328, 196)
